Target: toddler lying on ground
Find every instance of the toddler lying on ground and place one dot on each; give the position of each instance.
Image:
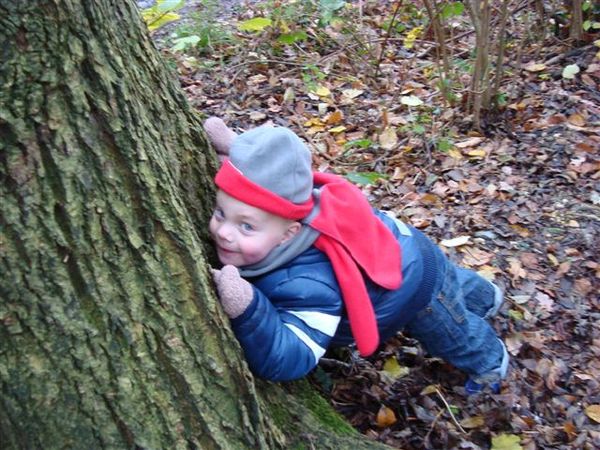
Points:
(309, 265)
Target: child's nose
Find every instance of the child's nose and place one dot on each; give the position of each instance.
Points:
(225, 232)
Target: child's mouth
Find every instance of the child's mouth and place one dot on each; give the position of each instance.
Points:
(224, 250)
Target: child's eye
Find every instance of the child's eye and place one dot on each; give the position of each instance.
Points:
(247, 227)
(218, 213)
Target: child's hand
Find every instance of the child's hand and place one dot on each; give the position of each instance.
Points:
(220, 136)
(235, 292)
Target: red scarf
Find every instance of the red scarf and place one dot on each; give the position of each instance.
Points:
(351, 235)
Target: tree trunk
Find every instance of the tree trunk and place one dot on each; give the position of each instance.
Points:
(576, 30)
(110, 334)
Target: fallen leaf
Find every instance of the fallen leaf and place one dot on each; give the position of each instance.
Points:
(352, 93)
(257, 79)
(553, 259)
(420, 222)
(256, 24)
(430, 389)
(289, 95)
(388, 139)
(399, 174)
(534, 338)
(521, 231)
(520, 299)
(334, 118)
(455, 242)
(365, 178)
(544, 301)
(478, 153)
(488, 272)
(504, 186)
(570, 428)
(472, 187)
(522, 422)
(157, 18)
(570, 71)
(515, 269)
(429, 198)
(385, 417)
(471, 142)
(563, 268)
(556, 119)
(321, 91)
(534, 67)
(583, 286)
(529, 260)
(411, 100)
(543, 367)
(274, 105)
(315, 130)
(516, 315)
(506, 442)
(585, 147)
(475, 257)
(256, 116)
(396, 120)
(411, 36)
(585, 376)
(353, 142)
(577, 120)
(454, 153)
(514, 342)
(333, 148)
(571, 251)
(336, 130)
(557, 368)
(314, 121)
(472, 422)
(393, 369)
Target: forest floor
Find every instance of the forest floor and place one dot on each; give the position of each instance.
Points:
(517, 200)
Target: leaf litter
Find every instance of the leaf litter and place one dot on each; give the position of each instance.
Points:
(519, 202)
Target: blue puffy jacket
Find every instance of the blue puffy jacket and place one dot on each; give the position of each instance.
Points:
(297, 311)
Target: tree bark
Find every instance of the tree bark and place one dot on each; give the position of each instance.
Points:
(576, 30)
(110, 333)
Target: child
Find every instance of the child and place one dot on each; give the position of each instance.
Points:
(308, 265)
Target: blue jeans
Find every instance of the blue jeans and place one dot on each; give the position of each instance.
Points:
(452, 327)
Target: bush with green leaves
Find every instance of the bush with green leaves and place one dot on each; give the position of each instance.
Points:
(202, 33)
(289, 22)
(591, 17)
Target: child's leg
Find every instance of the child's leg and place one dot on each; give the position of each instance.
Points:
(481, 296)
(449, 330)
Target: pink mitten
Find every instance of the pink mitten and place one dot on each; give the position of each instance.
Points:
(220, 135)
(235, 292)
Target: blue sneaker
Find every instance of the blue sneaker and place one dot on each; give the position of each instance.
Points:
(498, 374)
(472, 387)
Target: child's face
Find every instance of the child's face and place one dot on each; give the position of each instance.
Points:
(244, 234)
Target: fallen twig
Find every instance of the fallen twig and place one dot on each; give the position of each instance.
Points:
(462, 430)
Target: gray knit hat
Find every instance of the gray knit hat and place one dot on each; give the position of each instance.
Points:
(271, 170)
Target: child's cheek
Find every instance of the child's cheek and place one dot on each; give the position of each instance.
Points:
(254, 253)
